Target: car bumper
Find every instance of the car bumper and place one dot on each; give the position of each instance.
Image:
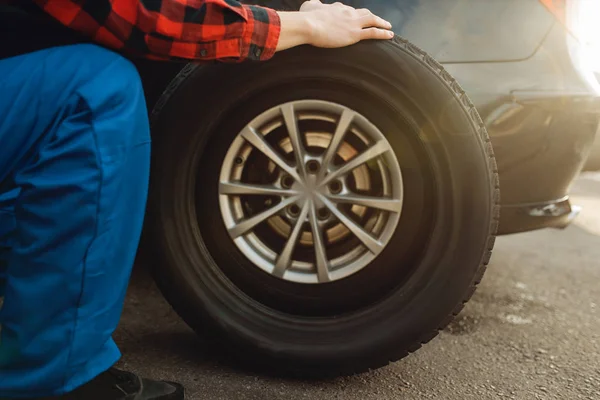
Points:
(543, 159)
(527, 217)
(542, 118)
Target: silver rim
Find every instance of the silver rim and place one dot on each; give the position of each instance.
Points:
(310, 191)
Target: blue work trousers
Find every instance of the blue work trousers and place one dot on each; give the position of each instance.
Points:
(74, 166)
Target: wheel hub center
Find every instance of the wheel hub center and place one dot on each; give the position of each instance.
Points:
(310, 185)
(310, 190)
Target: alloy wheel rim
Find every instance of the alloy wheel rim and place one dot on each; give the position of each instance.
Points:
(310, 191)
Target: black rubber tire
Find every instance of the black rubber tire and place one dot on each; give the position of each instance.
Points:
(394, 84)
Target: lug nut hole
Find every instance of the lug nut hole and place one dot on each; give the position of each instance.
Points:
(335, 187)
(287, 182)
(294, 210)
(323, 213)
(313, 166)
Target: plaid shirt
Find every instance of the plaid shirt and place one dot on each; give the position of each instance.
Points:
(200, 30)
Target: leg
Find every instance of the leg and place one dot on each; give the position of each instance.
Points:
(74, 140)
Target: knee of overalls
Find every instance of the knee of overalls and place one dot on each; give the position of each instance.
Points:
(125, 82)
(114, 88)
(108, 82)
(41, 88)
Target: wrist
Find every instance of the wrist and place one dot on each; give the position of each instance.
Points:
(296, 29)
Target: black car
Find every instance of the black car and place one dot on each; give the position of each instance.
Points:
(328, 211)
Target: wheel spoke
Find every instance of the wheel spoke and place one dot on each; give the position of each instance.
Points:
(320, 252)
(247, 224)
(285, 258)
(314, 186)
(259, 142)
(372, 152)
(340, 131)
(393, 205)
(238, 188)
(289, 117)
(365, 237)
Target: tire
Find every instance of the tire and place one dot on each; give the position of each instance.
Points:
(431, 264)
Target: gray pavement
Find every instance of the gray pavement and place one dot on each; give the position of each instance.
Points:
(531, 331)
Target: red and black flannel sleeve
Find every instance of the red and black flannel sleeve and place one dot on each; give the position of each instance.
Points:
(201, 30)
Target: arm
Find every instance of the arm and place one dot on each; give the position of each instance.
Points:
(214, 29)
(174, 29)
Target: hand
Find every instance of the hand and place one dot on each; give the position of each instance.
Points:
(339, 25)
(330, 25)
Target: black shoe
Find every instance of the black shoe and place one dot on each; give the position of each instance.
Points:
(115, 384)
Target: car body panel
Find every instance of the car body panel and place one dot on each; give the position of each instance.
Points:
(461, 30)
(468, 30)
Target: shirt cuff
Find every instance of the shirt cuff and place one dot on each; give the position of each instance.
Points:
(261, 35)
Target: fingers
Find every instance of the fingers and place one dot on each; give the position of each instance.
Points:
(376, 33)
(369, 20)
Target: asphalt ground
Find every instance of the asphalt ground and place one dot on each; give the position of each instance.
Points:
(531, 331)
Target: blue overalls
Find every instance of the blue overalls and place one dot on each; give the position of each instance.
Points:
(74, 165)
